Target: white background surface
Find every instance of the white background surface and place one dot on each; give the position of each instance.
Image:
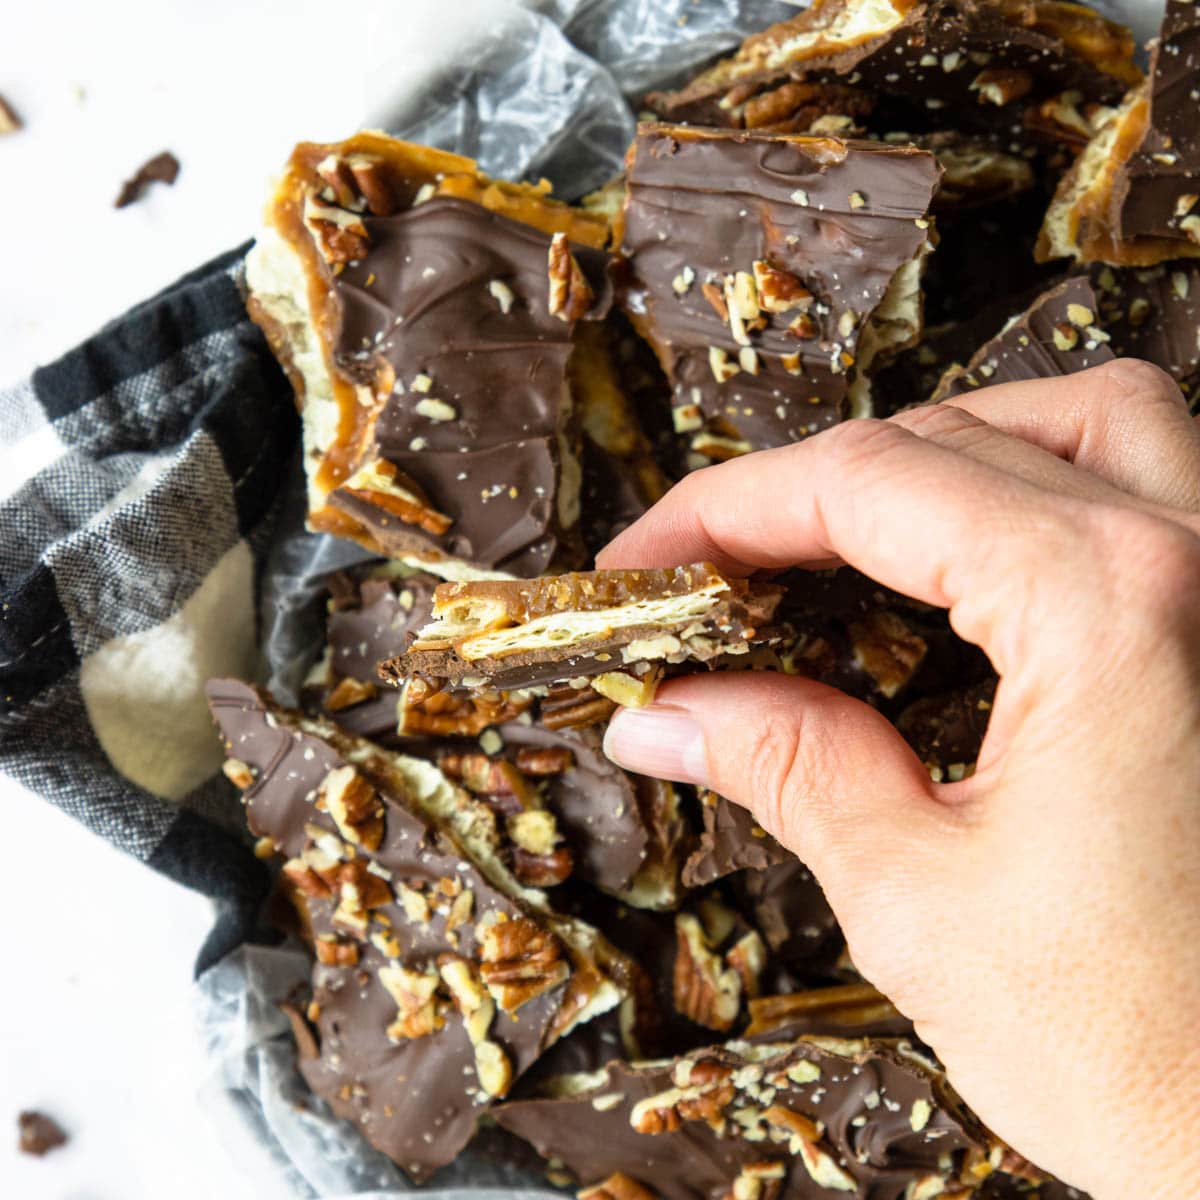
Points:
(97, 951)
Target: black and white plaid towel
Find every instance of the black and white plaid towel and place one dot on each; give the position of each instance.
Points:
(140, 485)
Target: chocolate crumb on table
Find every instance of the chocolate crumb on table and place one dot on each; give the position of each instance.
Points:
(614, 631)
(39, 1134)
(10, 122)
(162, 168)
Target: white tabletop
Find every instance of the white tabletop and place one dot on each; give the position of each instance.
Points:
(95, 1025)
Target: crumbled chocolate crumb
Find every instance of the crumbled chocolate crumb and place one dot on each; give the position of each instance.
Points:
(162, 168)
(39, 1134)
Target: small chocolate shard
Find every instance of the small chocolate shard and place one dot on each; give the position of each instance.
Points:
(612, 630)
(1058, 334)
(162, 168)
(38, 1133)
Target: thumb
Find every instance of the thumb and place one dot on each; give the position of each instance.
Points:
(824, 773)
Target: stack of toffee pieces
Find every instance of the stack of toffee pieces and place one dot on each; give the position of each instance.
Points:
(873, 204)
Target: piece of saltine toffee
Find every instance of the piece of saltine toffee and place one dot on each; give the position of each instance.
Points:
(615, 631)
(819, 1116)
(770, 273)
(425, 315)
(1132, 197)
(1008, 67)
(439, 978)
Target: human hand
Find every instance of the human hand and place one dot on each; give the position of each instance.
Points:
(1040, 920)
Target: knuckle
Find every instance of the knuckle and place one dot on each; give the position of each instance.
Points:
(1157, 559)
(853, 443)
(1134, 381)
(936, 421)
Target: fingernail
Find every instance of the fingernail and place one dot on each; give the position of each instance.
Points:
(660, 741)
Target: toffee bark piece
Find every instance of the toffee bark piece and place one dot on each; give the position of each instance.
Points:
(770, 273)
(425, 315)
(982, 63)
(1058, 334)
(439, 978)
(788, 906)
(614, 629)
(1154, 313)
(811, 1117)
(1133, 196)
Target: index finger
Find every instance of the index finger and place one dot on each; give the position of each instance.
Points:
(928, 522)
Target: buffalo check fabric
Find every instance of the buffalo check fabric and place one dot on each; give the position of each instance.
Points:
(140, 485)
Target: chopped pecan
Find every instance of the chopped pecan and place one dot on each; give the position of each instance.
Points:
(333, 952)
(887, 650)
(519, 961)
(570, 293)
(758, 1181)
(381, 483)
(350, 692)
(495, 778)
(419, 1012)
(618, 1186)
(238, 773)
(305, 879)
(705, 990)
(370, 175)
(355, 807)
(339, 234)
(1001, 86)
(778, 290)
(568, 708)
(824, 1170)
(715, 296)
(470, 996)
(545, 760)
(748, 957)
(628, 690)
(709, 1105)
(542, 870)
(794, 1124)
(493, 1068)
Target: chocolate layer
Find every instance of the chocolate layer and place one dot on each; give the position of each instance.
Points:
(439, 979)
(1058, 334)
(769, 272)
(871, 1118)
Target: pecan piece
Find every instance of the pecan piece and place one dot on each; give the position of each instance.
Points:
(348, 693)
(419, 1012)
(1001, 86)
(339, 234)
(758, 1181)
(519, 961)
(618, 1186)
(778, 290)
(545, 760)
(355, 807)
(887, 650)
(382, 484)
(471, 998)
(705, 990)
(570, 293)
(333, 952)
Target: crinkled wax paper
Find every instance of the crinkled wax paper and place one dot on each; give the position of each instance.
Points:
(545, 90)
